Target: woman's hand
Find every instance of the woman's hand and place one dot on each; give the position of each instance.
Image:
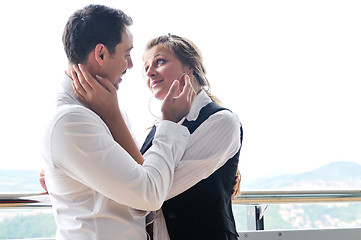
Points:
(175, 106)
(100, 95)
(42, 180)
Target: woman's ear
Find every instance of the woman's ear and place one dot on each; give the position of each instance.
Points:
(182, 79)
(99, 52)
(190, 71)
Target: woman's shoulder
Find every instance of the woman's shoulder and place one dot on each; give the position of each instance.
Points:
(226, 116)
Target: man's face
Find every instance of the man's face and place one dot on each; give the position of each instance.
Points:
(120, 60)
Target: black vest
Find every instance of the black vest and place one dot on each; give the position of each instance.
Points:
(205, 210)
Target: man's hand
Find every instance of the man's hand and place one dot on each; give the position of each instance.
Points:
(174, 107)
(236, 186)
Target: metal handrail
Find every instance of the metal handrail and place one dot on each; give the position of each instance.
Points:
(24, 200)
(297, 196)
(253, 197)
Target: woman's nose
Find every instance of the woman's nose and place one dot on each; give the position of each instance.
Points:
(150, 71)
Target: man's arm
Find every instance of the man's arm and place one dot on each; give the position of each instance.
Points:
(83, 148)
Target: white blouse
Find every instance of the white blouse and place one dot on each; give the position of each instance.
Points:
(214, 142)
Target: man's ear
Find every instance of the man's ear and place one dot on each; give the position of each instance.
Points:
(99, 52)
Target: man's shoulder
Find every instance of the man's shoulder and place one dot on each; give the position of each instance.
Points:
(72, 108)
(74, 113)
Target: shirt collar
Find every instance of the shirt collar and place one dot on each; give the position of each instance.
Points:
(201, 100)
(66, 95)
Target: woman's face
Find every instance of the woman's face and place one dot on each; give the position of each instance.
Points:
(161, 68)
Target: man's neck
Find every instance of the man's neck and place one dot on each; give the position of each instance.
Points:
(68, 70)
(89, 67)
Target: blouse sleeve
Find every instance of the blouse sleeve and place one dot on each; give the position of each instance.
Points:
(214, 142)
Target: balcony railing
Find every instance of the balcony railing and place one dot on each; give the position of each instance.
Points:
(305, 196)
(256, 202)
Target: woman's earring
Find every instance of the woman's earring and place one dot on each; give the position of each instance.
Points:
(152, 107)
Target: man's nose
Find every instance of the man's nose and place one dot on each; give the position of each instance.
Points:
(130, 63)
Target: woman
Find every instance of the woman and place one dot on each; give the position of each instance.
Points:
(199, 201)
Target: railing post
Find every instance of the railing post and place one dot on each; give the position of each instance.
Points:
(255, 217)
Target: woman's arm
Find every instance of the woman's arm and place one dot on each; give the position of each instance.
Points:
(104, 101)
(102, 98)
(217, 139)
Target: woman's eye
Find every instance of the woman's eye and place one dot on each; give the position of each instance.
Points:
(160, 61)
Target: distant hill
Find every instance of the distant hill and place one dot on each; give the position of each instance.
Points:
(333, 175)
(12, 181)
(333, 171)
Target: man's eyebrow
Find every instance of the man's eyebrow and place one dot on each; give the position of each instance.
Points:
(129, 49)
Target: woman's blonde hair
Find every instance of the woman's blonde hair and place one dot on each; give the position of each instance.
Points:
(189, 54)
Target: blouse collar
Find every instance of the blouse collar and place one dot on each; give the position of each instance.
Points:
(201, 100)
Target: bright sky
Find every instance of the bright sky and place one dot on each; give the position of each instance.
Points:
(289, 69)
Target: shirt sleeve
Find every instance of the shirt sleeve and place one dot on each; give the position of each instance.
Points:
(82, 146)
(214, 142)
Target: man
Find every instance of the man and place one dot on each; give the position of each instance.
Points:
(91, 179)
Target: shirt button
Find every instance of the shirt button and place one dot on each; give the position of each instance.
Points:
(171, 215)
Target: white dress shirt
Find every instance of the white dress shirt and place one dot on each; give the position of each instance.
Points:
(92, 181)
(214, 142)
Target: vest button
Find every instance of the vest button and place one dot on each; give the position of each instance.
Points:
(171, 215)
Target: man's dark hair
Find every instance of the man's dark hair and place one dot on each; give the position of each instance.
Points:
(90, 26)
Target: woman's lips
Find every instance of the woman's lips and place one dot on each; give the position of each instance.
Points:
(155, 83)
